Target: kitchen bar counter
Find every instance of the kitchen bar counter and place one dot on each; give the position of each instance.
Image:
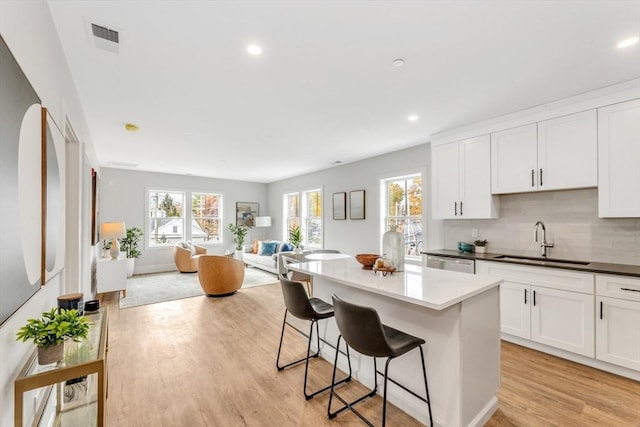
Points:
(457, 314)
(590, 267)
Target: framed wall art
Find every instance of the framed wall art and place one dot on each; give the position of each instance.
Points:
(356, 204)
(340, 205)
(246, 213)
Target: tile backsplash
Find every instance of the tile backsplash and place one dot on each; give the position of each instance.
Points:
(572, 223)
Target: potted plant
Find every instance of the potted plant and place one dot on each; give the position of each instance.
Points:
(129, 245)
(50, 331)
(481, 246)
(295, 236)
(239, 232)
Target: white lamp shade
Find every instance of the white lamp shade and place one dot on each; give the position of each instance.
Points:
(113, 230)
(263, 221)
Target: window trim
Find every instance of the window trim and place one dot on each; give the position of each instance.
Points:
(303, 218)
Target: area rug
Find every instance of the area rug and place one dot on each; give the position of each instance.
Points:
(159, 287)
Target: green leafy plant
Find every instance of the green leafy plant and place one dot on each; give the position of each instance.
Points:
(130, 243)
(239, 232)
(54, 327)
(295, 235)
(480, 243)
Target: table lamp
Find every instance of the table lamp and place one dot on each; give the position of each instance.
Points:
(113, 231)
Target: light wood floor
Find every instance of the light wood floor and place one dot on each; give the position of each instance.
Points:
(211, 362)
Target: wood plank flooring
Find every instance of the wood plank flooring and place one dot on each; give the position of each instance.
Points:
(211, 362)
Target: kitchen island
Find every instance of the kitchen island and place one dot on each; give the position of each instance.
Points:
(457, 314)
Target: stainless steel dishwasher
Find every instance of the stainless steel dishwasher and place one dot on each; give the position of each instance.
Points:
(451, 263)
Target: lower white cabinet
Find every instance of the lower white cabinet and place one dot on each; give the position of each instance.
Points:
(618, 320)
(515, 309)
(563, 320)
(535, 305)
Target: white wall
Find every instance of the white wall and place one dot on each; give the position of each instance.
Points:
(358, 236)
(28, 30)
(123, 195)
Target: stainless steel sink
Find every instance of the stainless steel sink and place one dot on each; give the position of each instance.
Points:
(541, 261)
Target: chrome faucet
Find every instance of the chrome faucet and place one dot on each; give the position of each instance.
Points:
(544, 245)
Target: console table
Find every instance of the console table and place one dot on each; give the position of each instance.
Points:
(86, 358)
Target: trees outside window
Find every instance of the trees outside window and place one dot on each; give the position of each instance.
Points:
(403, 210)
(206, 208)
(304, 209)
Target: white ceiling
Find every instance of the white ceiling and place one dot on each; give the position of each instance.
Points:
(324, 88)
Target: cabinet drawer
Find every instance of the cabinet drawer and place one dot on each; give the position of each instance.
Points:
(618, 287)
(540, 276)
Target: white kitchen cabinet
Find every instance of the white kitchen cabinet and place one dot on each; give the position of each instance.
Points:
(568, 152)
(461, 174)
(563, 320)
(514, 160)
(618, 320)
(555, 154)
(515, 309)
(618, 159)
(550, 306)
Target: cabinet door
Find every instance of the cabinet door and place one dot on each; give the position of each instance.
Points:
(111, 275)
(563, 319)
(445, 176)
(514, 160)
(515, 311)
(568, 152)
(618, 157)
(618, 332)
(476, 200)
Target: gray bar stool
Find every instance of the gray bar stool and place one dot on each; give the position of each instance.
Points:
(298, 303)
(362, 330)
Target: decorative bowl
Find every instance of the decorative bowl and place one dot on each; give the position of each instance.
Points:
(367, 260)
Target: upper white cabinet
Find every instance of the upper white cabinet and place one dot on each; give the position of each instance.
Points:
(461, 175)
(568, 152)
(514, 160)
(619, 159)
(555, 154)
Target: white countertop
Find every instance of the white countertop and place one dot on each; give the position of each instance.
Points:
(428, 287)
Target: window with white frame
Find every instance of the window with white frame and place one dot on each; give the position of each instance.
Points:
(402, 210)
(206, 209)
(304, 209)
(170, 223)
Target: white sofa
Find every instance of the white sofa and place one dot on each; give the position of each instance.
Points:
(265, 262)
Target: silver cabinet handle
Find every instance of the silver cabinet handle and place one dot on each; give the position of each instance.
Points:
(534, 298)
(601, 315)
(455, 208)
(525, 296)
(540, 177)
(460, 207)
(533, 177)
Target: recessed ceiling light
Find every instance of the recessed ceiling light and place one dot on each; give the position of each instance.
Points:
(131, 127)
(254, 49)
(398, 62)
(628, 42)
(412, 118)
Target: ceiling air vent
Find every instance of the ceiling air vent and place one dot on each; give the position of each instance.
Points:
(105, 33)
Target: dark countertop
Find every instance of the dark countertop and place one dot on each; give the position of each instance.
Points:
(591, 267)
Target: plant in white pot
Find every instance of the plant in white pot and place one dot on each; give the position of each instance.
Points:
(50, 331)
(239, 232)
(295, 236)
(129, 245)
(480, 246)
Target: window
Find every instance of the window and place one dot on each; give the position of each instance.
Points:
(205, 223)
(402, 210)
(304, 209)
(171, 223)
(166, 217)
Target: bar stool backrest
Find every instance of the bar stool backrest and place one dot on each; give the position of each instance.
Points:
(296, 300)
(361, 328)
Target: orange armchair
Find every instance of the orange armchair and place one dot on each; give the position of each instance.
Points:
(220, 275)
(185, 260)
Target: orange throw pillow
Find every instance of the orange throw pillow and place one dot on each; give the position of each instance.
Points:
(255, 246)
